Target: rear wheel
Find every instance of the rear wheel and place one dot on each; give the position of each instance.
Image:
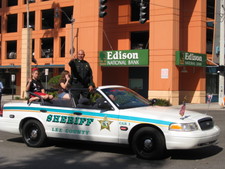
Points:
(148, 143)
(33, 133)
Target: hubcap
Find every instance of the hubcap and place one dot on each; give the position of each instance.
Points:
(148, 144)
(33, 134)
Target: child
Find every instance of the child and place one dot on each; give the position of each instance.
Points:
(34, 85)
(64, 84)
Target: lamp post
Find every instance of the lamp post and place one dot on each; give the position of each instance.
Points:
(71, 20)
(28, 34)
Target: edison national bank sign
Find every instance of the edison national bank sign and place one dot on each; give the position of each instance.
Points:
(190, 59)
(124, 58)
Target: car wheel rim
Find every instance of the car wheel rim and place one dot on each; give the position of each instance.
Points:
(148, 144)
(32, 134)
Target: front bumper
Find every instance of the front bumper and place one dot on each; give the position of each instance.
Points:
(192, 140)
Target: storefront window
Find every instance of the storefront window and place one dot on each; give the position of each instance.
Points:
(138, 76)
(212, 81)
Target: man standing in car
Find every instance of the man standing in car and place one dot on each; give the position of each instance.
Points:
(81, 76)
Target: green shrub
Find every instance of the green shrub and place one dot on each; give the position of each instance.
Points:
(17, 98)
(162, 102)
(54, 81)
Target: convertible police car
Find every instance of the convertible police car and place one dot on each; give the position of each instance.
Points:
(114, 114)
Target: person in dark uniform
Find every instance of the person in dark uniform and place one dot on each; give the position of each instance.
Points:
(81, 76)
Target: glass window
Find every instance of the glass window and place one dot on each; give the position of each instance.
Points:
(210, 8)
(212, 81)
(62, 45)
(135, 9)
(31, 20)
(209, 41)
(30, 1)
(125, 98)
(0, 24)
(47, 47)
(12, 23)
(66, 14)
(139, 40)
(48, 19)
(12, 2)
(11, 49)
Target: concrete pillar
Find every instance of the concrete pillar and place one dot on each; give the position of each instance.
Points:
(25, 59)
(164, 41)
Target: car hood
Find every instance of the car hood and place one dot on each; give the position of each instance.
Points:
(164, 115)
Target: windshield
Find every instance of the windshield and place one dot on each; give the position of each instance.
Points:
(125, 98)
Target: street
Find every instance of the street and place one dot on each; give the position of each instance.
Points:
(71, 154)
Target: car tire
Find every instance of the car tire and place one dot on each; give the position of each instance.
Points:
(33, 133)
(148, 143)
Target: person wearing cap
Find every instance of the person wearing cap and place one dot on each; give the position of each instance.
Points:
(82, 77)
(35, 86)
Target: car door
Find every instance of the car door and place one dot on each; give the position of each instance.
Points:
(84, 123)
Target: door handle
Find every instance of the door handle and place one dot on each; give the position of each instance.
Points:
(77, 113)
(43, 111)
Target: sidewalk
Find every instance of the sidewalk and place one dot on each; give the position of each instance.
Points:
(9, 98)
(189, 106)
(195, 106)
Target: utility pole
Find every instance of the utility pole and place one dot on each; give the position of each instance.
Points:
(221, 59)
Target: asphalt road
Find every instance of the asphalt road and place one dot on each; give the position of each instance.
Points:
(14, 154)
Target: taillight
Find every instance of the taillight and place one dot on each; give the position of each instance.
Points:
(1, 112)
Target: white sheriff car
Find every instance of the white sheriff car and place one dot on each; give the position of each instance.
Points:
(115, 114)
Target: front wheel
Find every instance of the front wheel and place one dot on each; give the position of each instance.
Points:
(148, 143)
(33, 133)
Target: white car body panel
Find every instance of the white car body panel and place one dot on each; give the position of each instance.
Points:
(112, 126)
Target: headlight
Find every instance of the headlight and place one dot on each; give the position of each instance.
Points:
(183, 127)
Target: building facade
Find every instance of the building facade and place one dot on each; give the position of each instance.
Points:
(165, 57)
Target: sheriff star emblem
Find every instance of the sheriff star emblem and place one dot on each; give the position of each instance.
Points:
(105, 123)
